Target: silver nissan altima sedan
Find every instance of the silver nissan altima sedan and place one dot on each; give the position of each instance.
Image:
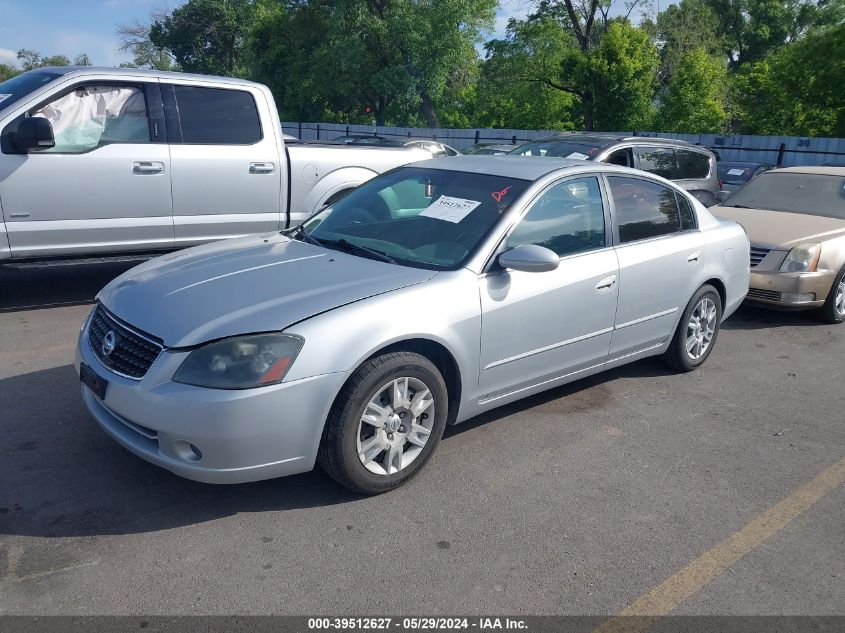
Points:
(426, 296)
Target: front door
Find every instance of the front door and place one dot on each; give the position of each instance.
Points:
(103, 188)
(537, 327)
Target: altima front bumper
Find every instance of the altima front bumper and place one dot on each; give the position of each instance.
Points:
(211, 435)
(790, 290)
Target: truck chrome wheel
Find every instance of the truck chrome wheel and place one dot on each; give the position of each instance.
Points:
(701, 328)
(839, 300)
(395, 425)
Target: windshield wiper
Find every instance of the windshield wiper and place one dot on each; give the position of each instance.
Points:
(736, 206)
(352, 247)
(300, 232)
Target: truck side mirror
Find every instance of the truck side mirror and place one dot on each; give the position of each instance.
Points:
(33, 134)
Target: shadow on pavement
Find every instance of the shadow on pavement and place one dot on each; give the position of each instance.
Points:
(749, 317)
(62, 476)
(38, 288)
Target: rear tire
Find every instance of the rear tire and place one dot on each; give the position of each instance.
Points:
(385, 424)
(833, 310)
(697, 330)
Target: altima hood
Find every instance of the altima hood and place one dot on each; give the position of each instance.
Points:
(253, 284)
(779, 228)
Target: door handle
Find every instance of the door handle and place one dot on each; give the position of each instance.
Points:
(147, 167)
(262, 168)
(606, 284)
(693, 257)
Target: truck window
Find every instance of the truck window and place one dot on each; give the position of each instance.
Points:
(95, 115)
(217, 116)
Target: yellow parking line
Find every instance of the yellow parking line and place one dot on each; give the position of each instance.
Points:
(672, 592)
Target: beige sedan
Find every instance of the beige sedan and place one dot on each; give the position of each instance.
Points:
(795, 220)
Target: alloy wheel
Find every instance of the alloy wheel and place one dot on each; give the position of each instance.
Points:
(701, 328)
(395, 425)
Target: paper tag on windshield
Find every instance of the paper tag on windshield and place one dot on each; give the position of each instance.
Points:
(450, 209)
(578, 155)
(4, 97)
(736, 172)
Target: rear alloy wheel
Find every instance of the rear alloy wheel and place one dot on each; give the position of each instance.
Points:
(385, 423)
(697, 330)
(833, 310)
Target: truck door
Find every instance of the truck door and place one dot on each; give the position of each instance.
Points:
(225, 161)
(104, 187)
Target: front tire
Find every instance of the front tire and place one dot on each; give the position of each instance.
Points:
(833, 310)
(385, 423)
(697, 330)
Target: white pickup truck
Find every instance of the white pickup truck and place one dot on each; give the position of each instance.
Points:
(109, 161)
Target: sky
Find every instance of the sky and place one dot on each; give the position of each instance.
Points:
(71, 27)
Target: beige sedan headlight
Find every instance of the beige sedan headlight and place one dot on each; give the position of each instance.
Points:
(802, 259)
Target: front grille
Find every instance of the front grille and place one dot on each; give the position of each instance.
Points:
(133, 352)
(757, 293)
(758, 254)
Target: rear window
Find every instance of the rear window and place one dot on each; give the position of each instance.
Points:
(735, 174)
(811, 194)
(558, 149)
(660, 161)
(692, 164)
(216, 116)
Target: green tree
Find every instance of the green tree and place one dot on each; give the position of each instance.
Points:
(206, 36)
(694, 100)
(683, 28)
(30, 59)
(135, 39)
(752, 29)
(7, 72)
(519, 84)
(606, 65)
(622, 71)
(399, 59)
(797, 90)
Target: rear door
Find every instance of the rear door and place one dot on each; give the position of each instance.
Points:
(104, 187)
(659, 247)
(225, 161)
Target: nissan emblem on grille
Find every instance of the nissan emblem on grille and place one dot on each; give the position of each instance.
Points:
(109, 341)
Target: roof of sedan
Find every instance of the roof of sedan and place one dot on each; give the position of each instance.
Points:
(521, 167)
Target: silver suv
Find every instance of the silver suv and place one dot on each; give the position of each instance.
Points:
(692, 167)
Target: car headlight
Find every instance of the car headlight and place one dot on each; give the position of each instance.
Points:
(802, 259)
(242, 362)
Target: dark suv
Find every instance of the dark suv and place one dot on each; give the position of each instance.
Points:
(692, 167)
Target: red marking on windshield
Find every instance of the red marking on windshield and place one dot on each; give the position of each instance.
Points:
(498, 195)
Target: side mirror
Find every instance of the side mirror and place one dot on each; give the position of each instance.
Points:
(34, 134)
(529, 258)
(721, 196)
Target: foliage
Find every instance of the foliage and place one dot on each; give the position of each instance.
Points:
(694, 100)
(33, 59)
(797, 90)
(135, 39)
(7, 72)
(683, 28)
(206, 36)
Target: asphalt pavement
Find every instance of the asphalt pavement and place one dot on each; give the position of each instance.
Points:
(577, 501)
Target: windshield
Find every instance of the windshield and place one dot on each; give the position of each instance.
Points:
(734, 174)
(15, 88)
(811, 194)
(560, 149)
(426, 218)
